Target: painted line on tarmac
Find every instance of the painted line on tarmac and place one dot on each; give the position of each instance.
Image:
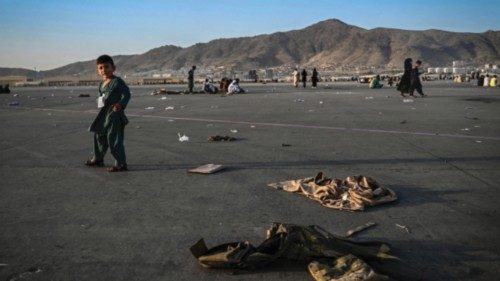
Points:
(285, 125)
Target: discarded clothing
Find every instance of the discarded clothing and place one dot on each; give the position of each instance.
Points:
(287, 241)
(221, 138)
(352, 193)
(346, 268)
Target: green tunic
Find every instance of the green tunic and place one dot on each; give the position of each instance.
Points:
(116, 91)
(109, 126)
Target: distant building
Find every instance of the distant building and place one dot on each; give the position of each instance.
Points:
(12, 80)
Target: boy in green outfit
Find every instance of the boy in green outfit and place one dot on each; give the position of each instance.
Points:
(109, 125)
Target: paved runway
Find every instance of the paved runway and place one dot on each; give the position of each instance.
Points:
(441, 154)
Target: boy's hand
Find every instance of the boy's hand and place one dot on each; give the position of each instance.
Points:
(117, 107)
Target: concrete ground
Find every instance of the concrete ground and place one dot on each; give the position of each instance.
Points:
(63, 221)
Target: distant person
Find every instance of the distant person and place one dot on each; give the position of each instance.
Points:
(109, 125)
(314, 78)
(415, 83)
(1, 89)
(304, 77)
(404, 83)
(390, 81)
(493, 81)
(296, 77)
(234, 87)
(486, 82)
(208, 87)
(191, 79)
(375, 83)
(480, 81)
(6, 89)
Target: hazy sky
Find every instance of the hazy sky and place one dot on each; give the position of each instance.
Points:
(52, 33)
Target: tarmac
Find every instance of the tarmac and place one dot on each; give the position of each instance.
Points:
(61, 220)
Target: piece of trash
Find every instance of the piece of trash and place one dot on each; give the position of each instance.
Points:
(320, 102)
(404, 227)
(210, 125)
(479, 141)
(49, 114)
(298, 100)
(149, 107)
(469, 107)
(403, 122)
(252, 126)
(207, 169)
(163, 98)
(359, 229)
(171, 120)
(408, 100)
(477, 126)
(472, 118)
(234, 131)
(285, 145)
(182, 138)
(368, 98)
(14, 103)
(15, 95)
(169, 108)
(388, 97)
(413, 108)
(221, 138)
(137, 127)
(83, 95)
(465, 129)
(354, 193)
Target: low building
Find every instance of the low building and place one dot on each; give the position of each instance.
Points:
(12, 80)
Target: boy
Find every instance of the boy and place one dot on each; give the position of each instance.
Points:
(109, 125)
(415, 83)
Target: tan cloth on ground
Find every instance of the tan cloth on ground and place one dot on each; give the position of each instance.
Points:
(345, 268)
(352, 193)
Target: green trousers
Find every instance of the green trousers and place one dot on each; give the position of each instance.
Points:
(114, 140)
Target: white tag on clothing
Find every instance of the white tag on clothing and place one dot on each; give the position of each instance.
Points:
(100, 101)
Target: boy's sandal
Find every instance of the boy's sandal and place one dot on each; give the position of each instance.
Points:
(114, 169)
(94, 163)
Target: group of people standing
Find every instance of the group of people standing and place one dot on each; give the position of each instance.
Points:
(4, 90)
(487, 81)
(410, 81)
(302, 76)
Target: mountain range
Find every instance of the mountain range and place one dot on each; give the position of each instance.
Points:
(329, 42)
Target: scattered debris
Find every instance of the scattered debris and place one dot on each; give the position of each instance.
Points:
(403, 122)
(285, 145)
(15, 95)
(298, 100)
(320, 102)
(465, 129)
(171, 120)
(368, 98)
(234, 131)
(149, 107)
(84, 96)
(359, 229)
(252, 126)
(207, 169)
(404, 227)
(221, 138)
(354, 193)
(14, 103)
(293, 243)
(164, 98)
(26, 275)
(348, 267)
(477, 126)
(169, 108)
(182, 138)
(408, 100)
(479, 141)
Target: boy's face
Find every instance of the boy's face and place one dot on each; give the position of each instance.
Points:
(105, 70)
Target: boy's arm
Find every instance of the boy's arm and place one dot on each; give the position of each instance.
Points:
(125, 95)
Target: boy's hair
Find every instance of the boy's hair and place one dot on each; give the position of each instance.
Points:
(419, 62)
(105, 59)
